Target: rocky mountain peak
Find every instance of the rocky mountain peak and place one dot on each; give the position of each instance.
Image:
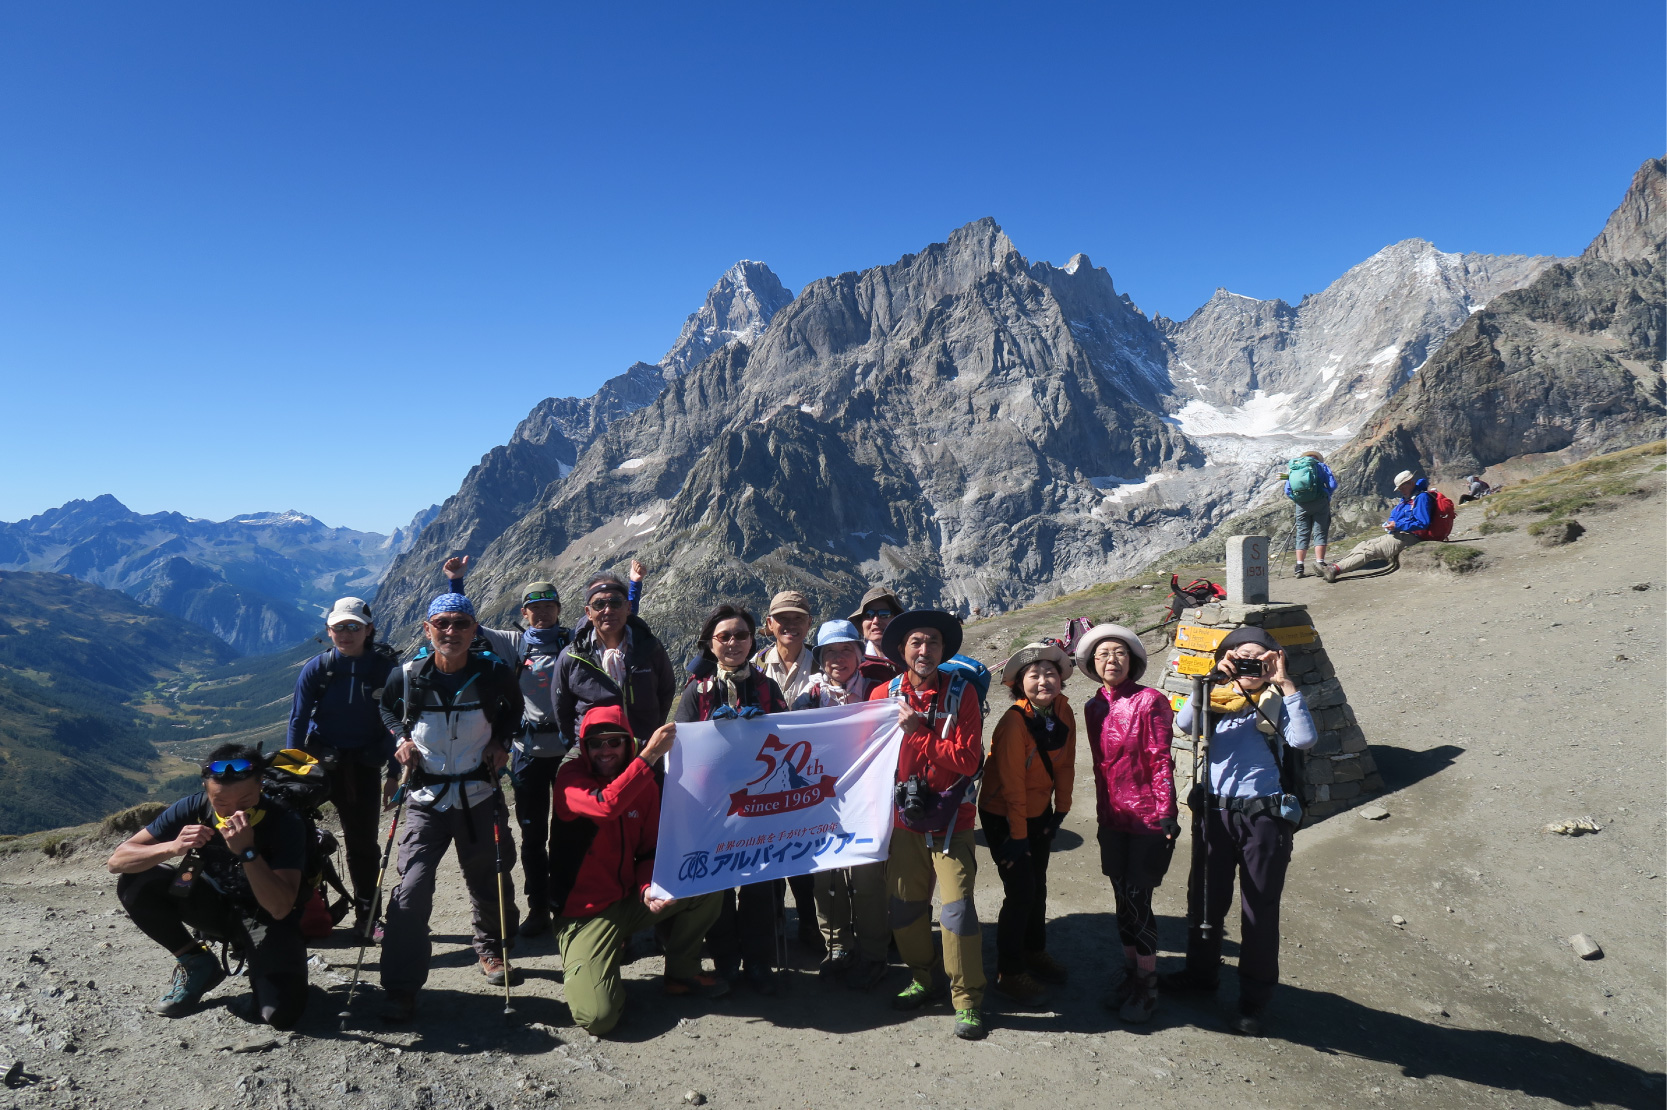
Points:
(1638, 226)
(737, 309)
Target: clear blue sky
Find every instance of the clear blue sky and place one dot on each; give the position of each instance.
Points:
(323, 256)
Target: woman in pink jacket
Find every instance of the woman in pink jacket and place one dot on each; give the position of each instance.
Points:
(1128, 728)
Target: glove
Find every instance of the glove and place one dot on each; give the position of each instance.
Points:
(748, 712)
(1012, 850)
(723, 713)
(1054, 821)
(1171, 827)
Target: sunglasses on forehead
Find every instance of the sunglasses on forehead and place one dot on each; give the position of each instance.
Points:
(230, 770)
(541, 595)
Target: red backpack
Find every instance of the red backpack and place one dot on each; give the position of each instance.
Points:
(1441, 518)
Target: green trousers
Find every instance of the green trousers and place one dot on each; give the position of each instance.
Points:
(591, 947)
(910, 874)
(852, 904)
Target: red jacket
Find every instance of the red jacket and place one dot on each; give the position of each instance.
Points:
(618, 861)
(943, 759)
(1134, 775)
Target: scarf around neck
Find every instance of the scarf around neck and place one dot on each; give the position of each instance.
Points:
(1045, 726)
(544, 637)
(1228, 701)
(733, 681)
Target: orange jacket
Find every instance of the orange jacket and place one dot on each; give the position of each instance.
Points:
(1016, 782)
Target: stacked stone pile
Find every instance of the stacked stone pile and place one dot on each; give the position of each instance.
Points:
(1338, 771)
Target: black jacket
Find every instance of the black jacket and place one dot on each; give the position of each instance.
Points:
(581, 681)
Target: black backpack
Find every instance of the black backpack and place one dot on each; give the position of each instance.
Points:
(299, 782)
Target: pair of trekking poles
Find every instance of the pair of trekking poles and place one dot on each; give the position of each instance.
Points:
(381, 874)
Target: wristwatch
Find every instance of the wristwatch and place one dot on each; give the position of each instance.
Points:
(249, 855)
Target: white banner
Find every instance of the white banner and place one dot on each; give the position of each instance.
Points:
(785, 794)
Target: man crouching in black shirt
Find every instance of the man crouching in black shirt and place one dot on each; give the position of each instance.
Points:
(240, 882)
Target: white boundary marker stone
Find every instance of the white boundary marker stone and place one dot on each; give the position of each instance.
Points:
(1247, 570)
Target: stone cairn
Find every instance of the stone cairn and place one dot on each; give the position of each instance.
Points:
(1339, 770)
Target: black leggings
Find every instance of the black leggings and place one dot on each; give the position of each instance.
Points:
(1136, 864)
(356, 790)
(277, 963)
(746, 926)
(1021, 927)
(540, 839)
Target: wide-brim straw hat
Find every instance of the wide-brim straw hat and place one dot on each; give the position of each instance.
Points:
(1098, 635)
(1036, 653)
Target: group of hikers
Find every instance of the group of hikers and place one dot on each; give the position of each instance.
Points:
(1420, 514)
(582, 719)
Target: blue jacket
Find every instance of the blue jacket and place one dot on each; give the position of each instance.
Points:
(1330, 482)
(342, 712)
(1414, 513)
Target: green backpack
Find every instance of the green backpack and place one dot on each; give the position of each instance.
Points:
(1307, 483)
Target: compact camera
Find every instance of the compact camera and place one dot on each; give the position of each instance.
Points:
(1249, 668)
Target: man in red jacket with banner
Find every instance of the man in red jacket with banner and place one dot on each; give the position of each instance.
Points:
(610, 789)
(932, 839)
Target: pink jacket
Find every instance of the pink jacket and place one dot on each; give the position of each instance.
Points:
(1134, 777)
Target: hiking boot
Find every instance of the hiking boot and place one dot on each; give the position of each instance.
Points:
(399, 1006)
(835, 964)
(536, 924)
(1142, 1002)
(1328, 571)
(1020, 986)
(864, 974)
(1119, 994)
(698, 985)
(195, 975)
(969, 1025)
(762, 980)
(916, 995)
(493, 968)
(1300, 572)
(1245, 1025)
(1046, 968)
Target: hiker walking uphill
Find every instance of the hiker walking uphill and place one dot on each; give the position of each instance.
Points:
(850, 901)
(1026, 795)
(534, 648)
(335, 712)
(457, 712)
(609, 792)
(932, 837)
(788, 665)
(1420, 514)
(240, 882)
(726, 683)
(1255, 715)
(1309, 483)
(1129, 728)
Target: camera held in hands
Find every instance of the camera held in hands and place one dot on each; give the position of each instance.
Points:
(1249, 668)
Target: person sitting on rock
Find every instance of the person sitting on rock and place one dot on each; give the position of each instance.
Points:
(1476, 489)
(1411, 515)
(457, 712)
(850, 901)
(240, 882)
(1026, 794)
(608, 789)
(942, 750)
(1245, 832)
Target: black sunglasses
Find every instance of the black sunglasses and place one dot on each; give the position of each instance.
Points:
(603, 602)
(462, 624)
(875, 614)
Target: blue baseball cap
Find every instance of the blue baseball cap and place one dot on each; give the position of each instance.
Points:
(835, 632)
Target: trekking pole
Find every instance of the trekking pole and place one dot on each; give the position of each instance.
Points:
(503, 913)
(376, 899)
(1201, 791)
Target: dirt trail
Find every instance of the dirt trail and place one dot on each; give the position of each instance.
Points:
(1494, 703)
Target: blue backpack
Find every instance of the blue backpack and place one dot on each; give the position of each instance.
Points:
(963, 671)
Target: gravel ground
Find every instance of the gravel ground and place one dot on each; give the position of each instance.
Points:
(1426, 954)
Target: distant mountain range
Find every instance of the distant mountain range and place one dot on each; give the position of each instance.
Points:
(980, 431)
(260, 582)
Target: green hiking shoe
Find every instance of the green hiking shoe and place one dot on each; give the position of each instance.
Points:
(916, 995)
(969, 1025)
(195, 975)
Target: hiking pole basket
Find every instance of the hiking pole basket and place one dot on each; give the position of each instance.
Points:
(376, 899)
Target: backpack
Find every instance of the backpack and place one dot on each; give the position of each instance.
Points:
(1306, 482)
(1200, 591)
(1075, 629)
(963, 671)
(299, 782)
(1441, 519)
